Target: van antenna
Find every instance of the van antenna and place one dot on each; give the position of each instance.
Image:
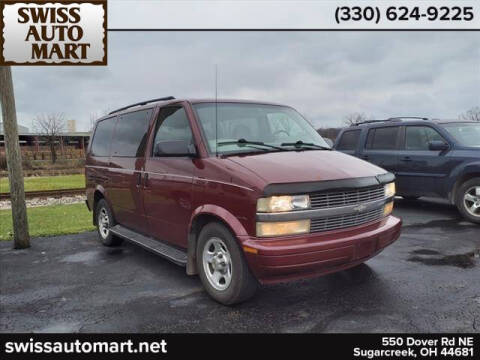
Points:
(216, 110)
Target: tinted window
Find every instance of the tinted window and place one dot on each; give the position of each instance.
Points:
(383, 138)
(103, 137)
(131, 134)
(418, 137)
(349, 140)
(172, 124)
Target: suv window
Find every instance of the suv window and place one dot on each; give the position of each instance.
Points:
(172, 124)
(103, 137)
(383, 138)
(131, 134)
(418, 137)
(349, 140)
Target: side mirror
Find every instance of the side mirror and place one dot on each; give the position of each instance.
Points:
(438, 145)
(178, 148)
(329, 141)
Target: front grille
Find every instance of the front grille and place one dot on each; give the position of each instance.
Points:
(345, 198)
(344, 221)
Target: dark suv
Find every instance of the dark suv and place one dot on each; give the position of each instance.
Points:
(236, 191)
(429, 157)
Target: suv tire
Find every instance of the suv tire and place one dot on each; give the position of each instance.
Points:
(104, 222)
(467, 200)
(222, 267)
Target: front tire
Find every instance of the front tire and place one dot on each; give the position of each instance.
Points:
(104, 222)
(468, 200)
(222, 267)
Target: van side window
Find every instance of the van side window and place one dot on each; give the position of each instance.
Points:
(103, 137)
(383, 138)
(172, 124)
(349, 140)
(418, 137)
(131, 134)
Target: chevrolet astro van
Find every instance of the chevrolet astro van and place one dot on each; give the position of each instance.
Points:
(238, 192)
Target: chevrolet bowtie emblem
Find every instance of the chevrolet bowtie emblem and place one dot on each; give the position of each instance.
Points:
(359, 208)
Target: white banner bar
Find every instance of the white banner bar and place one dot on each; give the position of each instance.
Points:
(299, 14)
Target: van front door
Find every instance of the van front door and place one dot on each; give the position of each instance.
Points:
(169, 180)
(126, 166)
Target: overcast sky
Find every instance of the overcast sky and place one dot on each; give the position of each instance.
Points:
(324, 75)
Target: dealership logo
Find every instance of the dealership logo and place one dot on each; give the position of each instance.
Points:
(53, 33)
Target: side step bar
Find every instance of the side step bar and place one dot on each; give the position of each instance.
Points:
(171, 253)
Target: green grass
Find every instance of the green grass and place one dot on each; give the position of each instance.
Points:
(47, 183)
(50, 220)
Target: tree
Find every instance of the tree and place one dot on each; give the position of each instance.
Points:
(94, 116)
(93, 119)
(51, 126)
(471, 115)
(354, 118)
(21, 237)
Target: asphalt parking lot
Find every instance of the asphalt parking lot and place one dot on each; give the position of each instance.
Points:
(428, 281)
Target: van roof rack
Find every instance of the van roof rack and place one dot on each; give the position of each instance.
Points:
(409, 118)
(143, 103)
(393, 119)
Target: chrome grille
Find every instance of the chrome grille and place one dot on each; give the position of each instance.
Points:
(344, 221)
(352, 197)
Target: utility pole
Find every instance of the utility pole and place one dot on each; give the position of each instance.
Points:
(21, 237)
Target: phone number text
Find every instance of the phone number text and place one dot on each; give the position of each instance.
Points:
(403, 13)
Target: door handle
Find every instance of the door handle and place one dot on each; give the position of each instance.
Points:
(145, 182)
(406, 159)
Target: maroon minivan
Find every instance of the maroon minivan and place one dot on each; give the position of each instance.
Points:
(238, 192)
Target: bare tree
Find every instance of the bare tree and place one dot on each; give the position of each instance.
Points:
(471, 115)
(93, 118)
(96, 115)
(354, 118)
(50, 126)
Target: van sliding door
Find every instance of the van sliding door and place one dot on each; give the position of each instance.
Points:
(126, 166)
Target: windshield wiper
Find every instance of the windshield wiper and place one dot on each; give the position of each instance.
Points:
(300, 144)
(244, 142)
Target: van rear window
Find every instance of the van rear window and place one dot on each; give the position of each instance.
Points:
(103, 137)
(131, 134)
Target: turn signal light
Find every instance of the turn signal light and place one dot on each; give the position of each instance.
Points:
(283, 228)
(387, 210)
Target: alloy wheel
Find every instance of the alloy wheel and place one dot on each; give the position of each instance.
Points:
(471, 201)
(103, 223)
(217, 264)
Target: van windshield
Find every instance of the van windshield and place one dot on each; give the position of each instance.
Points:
(278, 127)
(467, 134)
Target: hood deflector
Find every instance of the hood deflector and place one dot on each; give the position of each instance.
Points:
(330, 185)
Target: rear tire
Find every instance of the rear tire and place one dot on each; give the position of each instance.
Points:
(104, 222)
(467, 200)
(222, 267)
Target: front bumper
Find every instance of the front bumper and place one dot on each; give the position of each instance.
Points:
(304, 256)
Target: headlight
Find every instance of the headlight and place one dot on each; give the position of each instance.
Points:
(390, 190)
(283, 203)
(388, 208)
(283, 228)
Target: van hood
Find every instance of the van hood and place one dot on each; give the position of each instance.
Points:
(306, 166)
